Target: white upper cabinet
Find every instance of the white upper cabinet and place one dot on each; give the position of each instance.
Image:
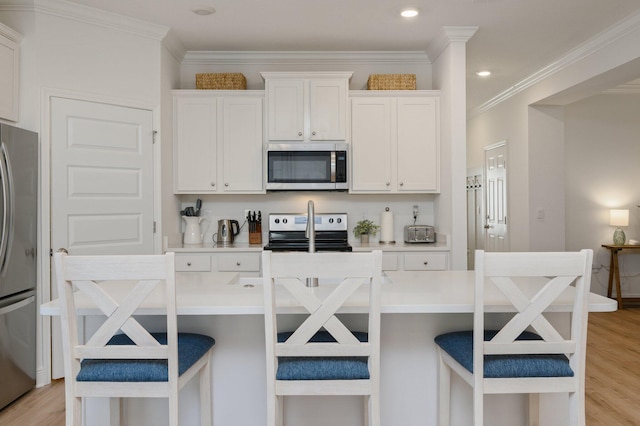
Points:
(307, 106)
(395, 142)
(9, 73)
(217, 142)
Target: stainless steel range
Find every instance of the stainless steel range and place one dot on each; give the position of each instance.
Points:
(287, 232)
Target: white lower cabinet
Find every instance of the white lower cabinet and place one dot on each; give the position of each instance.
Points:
(240, 262)
(193, 262)
(415, 261)
(247, 264)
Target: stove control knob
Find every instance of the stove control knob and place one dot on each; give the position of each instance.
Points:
(277, 220)
(284, 220)
(339, 220)
(331, 220)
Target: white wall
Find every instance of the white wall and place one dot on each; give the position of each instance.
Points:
(546, 159)
(602, 155)
(170, 79)
(506, 121)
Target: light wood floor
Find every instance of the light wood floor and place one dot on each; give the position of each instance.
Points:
(612, 386)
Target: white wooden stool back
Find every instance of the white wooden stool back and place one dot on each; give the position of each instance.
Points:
(343, 278)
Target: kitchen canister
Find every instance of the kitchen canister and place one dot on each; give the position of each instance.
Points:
(193, 232)
(386, 227)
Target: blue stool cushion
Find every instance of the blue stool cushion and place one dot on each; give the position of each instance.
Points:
(191, 347)
(322, 368)
(459, 345)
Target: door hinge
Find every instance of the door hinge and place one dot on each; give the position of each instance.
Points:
(155, 133)
(154, 226)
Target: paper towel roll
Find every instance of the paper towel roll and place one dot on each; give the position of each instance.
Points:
(386, 227)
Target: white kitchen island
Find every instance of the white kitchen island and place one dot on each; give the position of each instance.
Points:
(416, 307)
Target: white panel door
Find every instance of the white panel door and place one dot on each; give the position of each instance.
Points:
(101, 178)
(101, 185)
(496, 230)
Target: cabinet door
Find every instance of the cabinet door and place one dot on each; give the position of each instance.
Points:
(418, 145)
(9, 74)
(193, 262)
(239, 262)
(328, 110)
(371, 146)
(426, 262)
(285, 110)
(195, 145)
(242, 144)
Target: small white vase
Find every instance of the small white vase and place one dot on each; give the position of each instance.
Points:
(193, 234)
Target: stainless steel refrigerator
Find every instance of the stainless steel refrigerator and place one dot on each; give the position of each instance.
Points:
(18, 237)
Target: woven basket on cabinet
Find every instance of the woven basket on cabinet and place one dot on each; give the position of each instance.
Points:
(391, 82)
(221, 81)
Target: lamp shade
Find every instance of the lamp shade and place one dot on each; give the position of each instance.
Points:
(619, 217)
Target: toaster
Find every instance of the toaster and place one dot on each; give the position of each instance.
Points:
(419, 234)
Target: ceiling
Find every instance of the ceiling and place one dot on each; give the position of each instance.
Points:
(515, 38)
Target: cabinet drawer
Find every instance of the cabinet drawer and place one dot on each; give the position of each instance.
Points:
(389, 262)
(239, 262)
(193, 262)
(425, 262)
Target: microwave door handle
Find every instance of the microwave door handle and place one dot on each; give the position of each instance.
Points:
(333, 166)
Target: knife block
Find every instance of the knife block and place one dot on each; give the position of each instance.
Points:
(255, 236)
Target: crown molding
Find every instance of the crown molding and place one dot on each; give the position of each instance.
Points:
(9, 33)
(174, 45)
(89, 15)
(582, 51)
(446, 36)
(624, 89)
(301, 57)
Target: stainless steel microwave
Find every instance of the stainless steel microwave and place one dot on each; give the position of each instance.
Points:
(306, 166)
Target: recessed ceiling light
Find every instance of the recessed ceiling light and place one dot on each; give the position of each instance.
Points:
(409, 13)
(203, 10)
(483, 73)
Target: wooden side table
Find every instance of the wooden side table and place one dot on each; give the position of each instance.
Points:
(614, 273)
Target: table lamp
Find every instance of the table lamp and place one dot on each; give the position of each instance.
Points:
(619, 218)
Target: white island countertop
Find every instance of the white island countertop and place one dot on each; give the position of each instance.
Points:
(224, 293)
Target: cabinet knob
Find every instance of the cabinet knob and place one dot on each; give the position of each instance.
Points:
(425, 262)
(388, 183)
(299, 133)
(188, 263)
(313, 133)
(226, 184)
(213, 184)
(237, 263)
(401, 183)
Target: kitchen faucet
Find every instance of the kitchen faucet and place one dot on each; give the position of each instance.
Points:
(310, 233)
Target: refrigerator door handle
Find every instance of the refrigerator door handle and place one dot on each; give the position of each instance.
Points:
(18, 305)
(7, 204)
